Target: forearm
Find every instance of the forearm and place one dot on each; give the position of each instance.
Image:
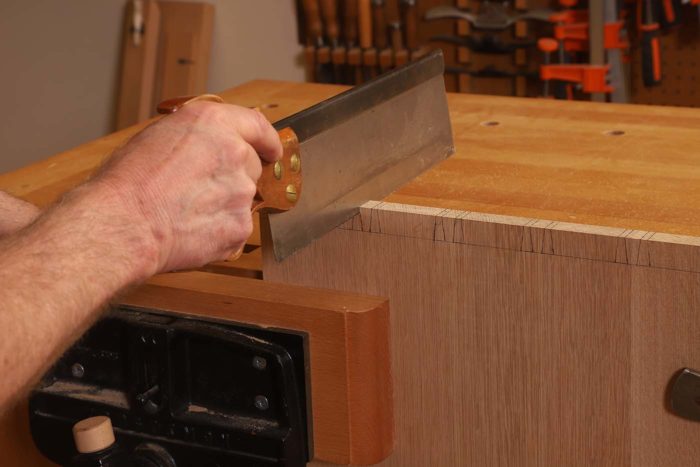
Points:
(58, 273)
(177, 195)
(15, 214)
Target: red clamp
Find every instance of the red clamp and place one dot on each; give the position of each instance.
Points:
(569, 16)
(575, 36)
(593, 78)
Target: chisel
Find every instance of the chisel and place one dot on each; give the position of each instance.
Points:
(329, 11)
(400, 52)
(380, 34)
(350, 34)
(314, 33)
(369, 54)
(408, 16)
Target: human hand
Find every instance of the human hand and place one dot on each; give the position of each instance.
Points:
(190, 178)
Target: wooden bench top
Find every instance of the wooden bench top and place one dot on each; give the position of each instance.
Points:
(628, 166)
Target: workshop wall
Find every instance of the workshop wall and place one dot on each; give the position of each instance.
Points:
(61, 66)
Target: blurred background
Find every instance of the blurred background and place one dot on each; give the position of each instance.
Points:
(74, 70)
(61, 62)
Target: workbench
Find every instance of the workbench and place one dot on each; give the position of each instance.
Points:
(543, 283)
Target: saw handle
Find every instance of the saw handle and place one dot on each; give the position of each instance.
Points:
(279, 185)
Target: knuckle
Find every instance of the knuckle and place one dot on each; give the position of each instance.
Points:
(256, 169)
(239, 151)
(246, 227)
(208, 113)
(209, 109)
(249, 188)
(238, 231)
(263, 125)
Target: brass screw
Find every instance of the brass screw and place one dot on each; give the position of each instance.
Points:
(291, 192)
(295, 163)
(277, 169)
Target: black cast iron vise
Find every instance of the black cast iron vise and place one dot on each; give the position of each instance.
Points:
(180, 391)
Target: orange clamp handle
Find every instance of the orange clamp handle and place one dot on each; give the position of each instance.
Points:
(569, 16)
(593, 78)
(575, 36)
(547, 45)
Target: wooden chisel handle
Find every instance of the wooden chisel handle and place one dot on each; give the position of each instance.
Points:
(350, 19)
(379, 21)
(314, 27)
(408, 12)
(329, 10)
(279, 186)
(364, 14)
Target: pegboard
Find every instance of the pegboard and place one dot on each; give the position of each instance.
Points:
(680, 66)
(522, 61)
(680, 53)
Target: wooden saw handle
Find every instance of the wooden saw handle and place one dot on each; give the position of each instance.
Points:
(279, 185)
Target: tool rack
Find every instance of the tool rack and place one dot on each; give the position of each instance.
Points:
(519, 71)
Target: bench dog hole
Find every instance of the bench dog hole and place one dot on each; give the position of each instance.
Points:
(613, 132)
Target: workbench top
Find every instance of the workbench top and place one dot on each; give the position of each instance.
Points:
(626, 166)
(504, 306)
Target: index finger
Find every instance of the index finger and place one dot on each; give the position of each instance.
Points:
(254, 128)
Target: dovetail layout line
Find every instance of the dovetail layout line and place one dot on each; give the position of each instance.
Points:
(597, 243)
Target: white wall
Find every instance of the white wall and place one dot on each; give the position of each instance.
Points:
(254, 39)
(59, 62)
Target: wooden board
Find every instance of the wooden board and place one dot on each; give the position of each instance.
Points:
(138, 66)
(184, 49)
(44, 181)
(541, 159)
(349, 360)
(561, 161)
(593, 332)
(518, 341)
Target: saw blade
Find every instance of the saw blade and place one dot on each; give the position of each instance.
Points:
(361, 145)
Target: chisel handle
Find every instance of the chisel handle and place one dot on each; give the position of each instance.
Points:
(380, 26)
(350, 19)
(364, 14)
(408, 13)
(314, 27)
(279, 185)
(329, 10)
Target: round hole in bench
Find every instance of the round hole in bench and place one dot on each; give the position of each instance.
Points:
(613, 133)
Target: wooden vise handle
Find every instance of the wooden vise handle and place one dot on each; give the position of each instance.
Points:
(279, 186)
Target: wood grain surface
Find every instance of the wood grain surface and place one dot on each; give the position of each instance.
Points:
(564, 161)
(184, 49)
(522, 342)
(138, 66)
